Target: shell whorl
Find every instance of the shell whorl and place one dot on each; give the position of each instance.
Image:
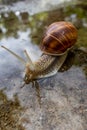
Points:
(59, 37)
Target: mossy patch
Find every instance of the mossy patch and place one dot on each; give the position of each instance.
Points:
(10, 112)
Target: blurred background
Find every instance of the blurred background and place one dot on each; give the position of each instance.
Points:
(22, 26)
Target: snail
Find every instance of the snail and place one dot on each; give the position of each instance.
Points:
(58, 39)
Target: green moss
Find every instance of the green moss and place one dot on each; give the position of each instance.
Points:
(82, 37)
(9, 113)
(79, 11)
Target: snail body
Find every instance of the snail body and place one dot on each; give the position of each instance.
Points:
(46, 66)
(58, 39)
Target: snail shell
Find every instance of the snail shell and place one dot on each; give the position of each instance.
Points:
(59, 37)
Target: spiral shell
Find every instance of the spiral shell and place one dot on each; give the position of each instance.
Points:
(58, 38)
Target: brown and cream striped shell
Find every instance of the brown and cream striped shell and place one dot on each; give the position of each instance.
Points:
(58, 38)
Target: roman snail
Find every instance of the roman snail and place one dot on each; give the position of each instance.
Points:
(58, 39)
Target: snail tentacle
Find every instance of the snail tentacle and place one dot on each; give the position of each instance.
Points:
(13, 53)
(29, 61)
